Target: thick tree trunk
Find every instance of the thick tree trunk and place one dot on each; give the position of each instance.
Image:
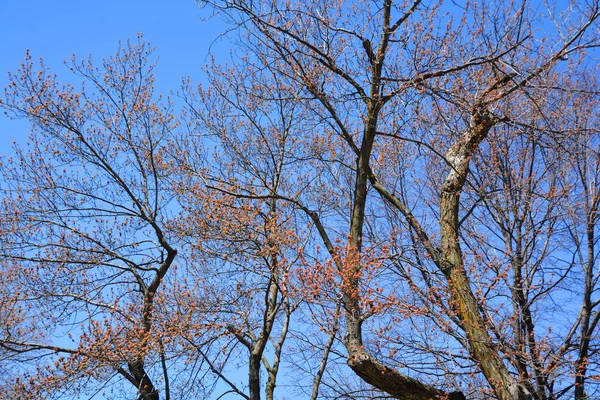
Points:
(254, 376)
(387, 379)
(143, 382)
(463, 301)
(362, 363)
(466, 307)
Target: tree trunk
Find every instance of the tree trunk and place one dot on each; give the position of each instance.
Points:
(362, 363)
(461, 296)
(144, 384)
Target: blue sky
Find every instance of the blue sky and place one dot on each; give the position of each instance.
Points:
(55, 30)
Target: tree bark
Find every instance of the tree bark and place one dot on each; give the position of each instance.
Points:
(143, 382)
(463, 301)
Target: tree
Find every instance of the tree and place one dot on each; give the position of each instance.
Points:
(363, 66)
(94, 216)
(392, 188)
(85, 249)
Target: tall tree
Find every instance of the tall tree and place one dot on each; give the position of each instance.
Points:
(373, 199)
(361, 66)
(85, 250)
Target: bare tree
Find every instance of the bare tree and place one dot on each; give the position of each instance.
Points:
(405, 191)
(84, 246)
(358, 66)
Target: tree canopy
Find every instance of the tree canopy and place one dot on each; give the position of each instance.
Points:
(373, 199)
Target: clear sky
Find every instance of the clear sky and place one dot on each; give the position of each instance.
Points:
(56, 29)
